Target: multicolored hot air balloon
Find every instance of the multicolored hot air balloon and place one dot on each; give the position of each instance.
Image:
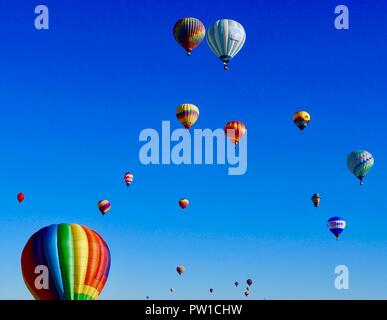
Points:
(235, 130)
(316, 200)
(360, 163)
(249, 282)
(226, 38)
(20, 197)
(128, 178)
(301, 119)
(180, 270)
(189, 33)
(187, 114)
(104, 206)
(336, 225)
(77, 258)
(183, 203)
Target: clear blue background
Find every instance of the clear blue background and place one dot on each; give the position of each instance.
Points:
(74, 99)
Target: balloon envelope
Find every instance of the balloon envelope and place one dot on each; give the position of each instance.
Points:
(183, 203)
(180, 270)
(316, 199)
(20, 197)
(77, 259)
(235, 131)
(187, 114)
(226, 38)
(104, 206)
(189, 33)
(301, 119)
(336, 225)
(360, 163)
(128, 178)
(249, 282)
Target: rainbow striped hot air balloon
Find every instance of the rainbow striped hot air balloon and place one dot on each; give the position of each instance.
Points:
(77, 260)
(104, 206)
(189, 33)
(360, 163)
(187, 114)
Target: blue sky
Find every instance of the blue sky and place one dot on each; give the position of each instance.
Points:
(75, 98)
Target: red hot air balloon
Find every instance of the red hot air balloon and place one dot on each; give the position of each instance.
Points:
(183, 203)
(235, 130)
(20, 197)
(128, 178)
(77, 259)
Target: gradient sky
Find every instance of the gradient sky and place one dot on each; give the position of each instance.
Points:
(74, 99)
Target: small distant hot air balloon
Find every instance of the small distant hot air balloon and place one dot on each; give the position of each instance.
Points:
(236, 283)
(212, 290)
(336, 225)
(187, 114)
(247, 293)
(128, 178)
(316, 200)
(235, 130)
(189, 33)
(172, 290)
(360, 163)
(249, 282)
(180, 270)
(301, 119)
(20, 197)
(183, 203)
(226, 38)
(104, 206)
(147, 297)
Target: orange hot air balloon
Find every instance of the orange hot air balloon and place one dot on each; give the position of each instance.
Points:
(20, 197)
(235, 130)
(183, 203)
(180, 270)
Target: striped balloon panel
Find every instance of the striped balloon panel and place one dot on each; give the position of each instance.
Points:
(360, 163)
(104, 206)
(226, 38)
(336, 225)
(235, 130)
(77, 259)
(189, 33)
(187, 114)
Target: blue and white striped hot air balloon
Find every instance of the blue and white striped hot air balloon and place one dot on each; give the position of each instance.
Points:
(225, 38)
(336, 225)
(360, 163)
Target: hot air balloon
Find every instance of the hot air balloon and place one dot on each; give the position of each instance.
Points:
(360, 163)
(128, 178)
(147, 297)
(336, 225)
(249, 282)
(236, 283)
(301, 119)
(212, 290)
(104, 206)
(77, 258)
(183, 203)
(316, 200)
(225, 38)
(187, 114)
(235, 130)
(247, 293)
(189, 33)
(180, 270)
(20, 197)
(172, 290)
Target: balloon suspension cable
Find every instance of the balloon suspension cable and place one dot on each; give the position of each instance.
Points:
(225, 66)
(188, 53)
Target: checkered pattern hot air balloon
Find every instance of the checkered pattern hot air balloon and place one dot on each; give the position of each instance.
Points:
(128, 178)
(75, 259)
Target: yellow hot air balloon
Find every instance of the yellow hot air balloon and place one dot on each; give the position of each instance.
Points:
(301, 119)
(187, 113)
